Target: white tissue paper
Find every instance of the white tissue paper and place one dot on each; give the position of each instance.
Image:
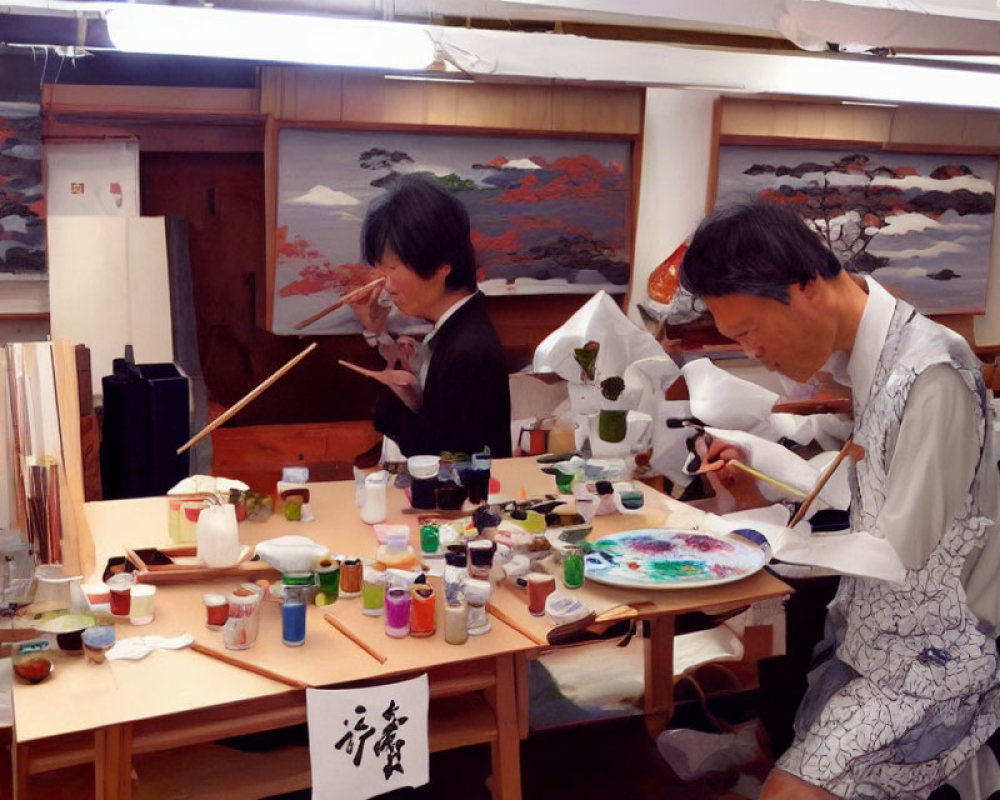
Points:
(137, 647)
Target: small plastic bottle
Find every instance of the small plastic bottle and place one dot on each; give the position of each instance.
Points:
(397, 553)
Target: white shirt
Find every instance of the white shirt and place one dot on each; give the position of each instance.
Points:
(937, 447)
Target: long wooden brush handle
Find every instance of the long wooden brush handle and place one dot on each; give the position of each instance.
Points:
(242, 403)
(347, 298)
(766, 478)
(262, 671)
(340, 626)
(856, 451)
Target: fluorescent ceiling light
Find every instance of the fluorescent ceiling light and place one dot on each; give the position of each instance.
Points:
(173, 30)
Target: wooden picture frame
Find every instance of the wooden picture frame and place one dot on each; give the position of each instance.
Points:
(550, 213)
(919, 220)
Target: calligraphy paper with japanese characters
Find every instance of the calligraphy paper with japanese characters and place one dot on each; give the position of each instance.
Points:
(367, 741)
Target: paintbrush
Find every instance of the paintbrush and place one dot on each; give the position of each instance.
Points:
(244, 401)
(855, 451)
(766, 478)
(347, 298)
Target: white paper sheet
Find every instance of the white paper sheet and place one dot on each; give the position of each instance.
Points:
(367, 741)
(855, 553)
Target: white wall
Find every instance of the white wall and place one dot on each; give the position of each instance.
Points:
(676, 148)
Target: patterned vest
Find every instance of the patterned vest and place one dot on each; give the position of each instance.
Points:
(919, 638)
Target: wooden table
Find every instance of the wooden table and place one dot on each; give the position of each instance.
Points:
(122, 714)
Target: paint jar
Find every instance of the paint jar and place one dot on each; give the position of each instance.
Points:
(240, 630)
(97, 641)
(456, 617)
(455, 572)
(190, 512)
(430, 539)
(238, 498)
(216, 611)
(397, 612)
(293, 614)
(141, 603)
(120, 593)
(450, 495)
(373, 591)
(423, 480)
(573, 567)
(351, 575)
(292, 504)
(481, 558)
(328, 577)
(422, 611)
(478, 481)
(477, 594)
(540, 586)
(174, 518)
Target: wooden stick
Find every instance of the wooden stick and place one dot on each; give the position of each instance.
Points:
(133, 557)
(500, 615)
(381, 659)
(766, 478)
(242, 403)
(262, 671)
(368, 373)
(347, 298)
(855, 451)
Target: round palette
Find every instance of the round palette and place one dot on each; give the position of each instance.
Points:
(655, 558)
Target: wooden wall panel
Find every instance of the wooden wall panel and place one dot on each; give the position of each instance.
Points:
(805, 120)
(294, 94)
(933, 127)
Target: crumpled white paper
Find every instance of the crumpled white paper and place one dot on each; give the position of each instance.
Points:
(622, 342)
(724, 400)
(137, 647)
(202, 484)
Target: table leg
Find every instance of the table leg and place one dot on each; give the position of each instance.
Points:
(113, 762)
(506, 750)
(523, 694)
(19, 767)
(658, 665)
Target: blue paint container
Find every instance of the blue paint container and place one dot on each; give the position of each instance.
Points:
(293, 616)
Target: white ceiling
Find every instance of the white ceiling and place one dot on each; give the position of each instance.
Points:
(865, 50)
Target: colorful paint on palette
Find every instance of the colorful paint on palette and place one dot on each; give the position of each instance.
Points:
(666, 559)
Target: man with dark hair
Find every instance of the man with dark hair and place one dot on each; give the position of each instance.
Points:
(418, 237)
(907, 694)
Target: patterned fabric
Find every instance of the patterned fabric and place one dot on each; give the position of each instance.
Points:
(910, 693)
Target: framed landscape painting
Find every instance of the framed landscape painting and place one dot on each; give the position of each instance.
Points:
(22, 202)
(549, 215)
(919, 223)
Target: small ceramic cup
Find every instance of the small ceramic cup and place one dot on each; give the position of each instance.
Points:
(97, 641)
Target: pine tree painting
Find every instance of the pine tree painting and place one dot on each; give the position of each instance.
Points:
(919, 223)
(548, 215)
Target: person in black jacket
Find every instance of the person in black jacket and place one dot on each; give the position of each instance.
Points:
(418, 237)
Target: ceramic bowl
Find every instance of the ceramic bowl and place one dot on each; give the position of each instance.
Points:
(32, 667)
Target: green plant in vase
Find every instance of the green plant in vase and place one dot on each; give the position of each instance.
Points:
(612, 423)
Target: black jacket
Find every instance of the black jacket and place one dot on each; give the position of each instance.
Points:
(466, 394)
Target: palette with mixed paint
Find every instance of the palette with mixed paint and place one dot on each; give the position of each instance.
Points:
(655, 558)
